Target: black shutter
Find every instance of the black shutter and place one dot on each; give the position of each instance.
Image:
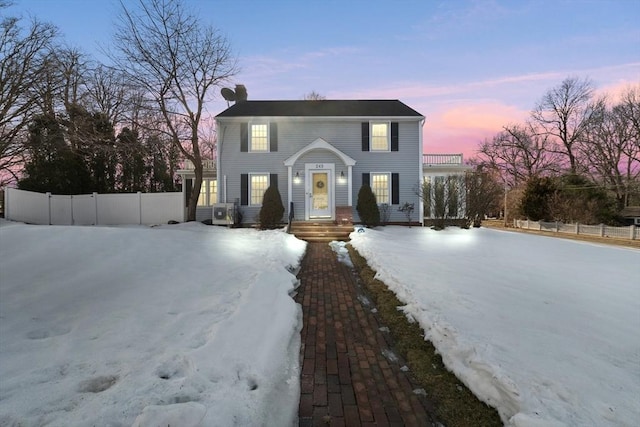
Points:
(365, 136)
(244, 189)
(394, 136)
(273, 137)
(244, 137)
(395, 189)
(188, 185)
(273, 180)
(366, 180)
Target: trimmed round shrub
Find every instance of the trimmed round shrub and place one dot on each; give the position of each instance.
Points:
(367, 207)
(272, 209)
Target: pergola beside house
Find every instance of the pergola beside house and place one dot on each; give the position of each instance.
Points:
(208, 191)
(445, 175)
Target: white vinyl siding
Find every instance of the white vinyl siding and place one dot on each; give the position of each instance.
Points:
(258, 184)
(381, 187)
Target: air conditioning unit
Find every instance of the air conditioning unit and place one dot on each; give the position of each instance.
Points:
(223, 214)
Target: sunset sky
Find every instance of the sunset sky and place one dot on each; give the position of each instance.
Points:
(469, 66)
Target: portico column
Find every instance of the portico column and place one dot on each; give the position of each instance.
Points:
(289, 189)
(350, 185)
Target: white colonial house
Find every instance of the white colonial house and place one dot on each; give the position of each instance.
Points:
(318, 154)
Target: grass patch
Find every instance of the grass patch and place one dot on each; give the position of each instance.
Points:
(455, 405)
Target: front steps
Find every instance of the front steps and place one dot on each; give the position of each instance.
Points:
(320, 231)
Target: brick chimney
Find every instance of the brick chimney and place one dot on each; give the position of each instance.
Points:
(241, 93)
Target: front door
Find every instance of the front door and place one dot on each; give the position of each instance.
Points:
(320, 194)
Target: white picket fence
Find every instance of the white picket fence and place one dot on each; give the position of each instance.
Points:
(630, 232)
(93, 209)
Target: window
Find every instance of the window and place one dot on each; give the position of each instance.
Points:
(208, 192)
(258, 185)
(379, 136)
(380, 187)
(259, 137)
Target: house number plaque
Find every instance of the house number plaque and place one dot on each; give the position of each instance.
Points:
(319, 165)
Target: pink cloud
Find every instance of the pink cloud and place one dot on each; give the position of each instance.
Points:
(461, 128)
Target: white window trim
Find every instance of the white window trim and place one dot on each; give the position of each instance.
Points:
(250, 132)
(371, 174)
(250, 186)
(371, 149)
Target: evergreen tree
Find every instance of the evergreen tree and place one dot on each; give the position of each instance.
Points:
(536, 200)
(52, 165)
(367, 207)
(132, 168)
(272, 209)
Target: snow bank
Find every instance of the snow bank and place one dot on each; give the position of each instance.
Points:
(183, 325)
(543, 329)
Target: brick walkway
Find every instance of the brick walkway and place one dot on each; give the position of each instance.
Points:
(350, 377)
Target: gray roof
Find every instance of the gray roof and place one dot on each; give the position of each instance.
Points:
(324, 108)
(630, 212)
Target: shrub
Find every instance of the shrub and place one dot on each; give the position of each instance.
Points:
(536, 200)
(367, 207)
(272, 209)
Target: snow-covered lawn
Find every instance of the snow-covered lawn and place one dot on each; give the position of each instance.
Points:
(547, 330)
(179, 325)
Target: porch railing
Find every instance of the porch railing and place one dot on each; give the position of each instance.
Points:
(208, 165)
(442, 159)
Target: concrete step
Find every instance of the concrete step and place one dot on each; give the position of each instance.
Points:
(321, 231)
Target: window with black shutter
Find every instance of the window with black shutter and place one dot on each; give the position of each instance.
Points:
(394, 136)
(395, 188)
(244, 189)
(244, 137)
(273, 137)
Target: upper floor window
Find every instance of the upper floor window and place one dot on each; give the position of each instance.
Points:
(259, 137)
(379, 136)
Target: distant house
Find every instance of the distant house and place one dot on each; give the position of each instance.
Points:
(631, 215)
(444, 185)
(318, 154)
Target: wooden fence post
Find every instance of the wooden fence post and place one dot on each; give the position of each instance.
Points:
(632, 232)
(601, 230)
(577, 228)
(95, 206)
(48, 194)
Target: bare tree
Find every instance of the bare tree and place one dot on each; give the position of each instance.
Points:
(21, 64)
(443, 198)
(176, 61)
(313, 96)
(611, 146)
(564, 113)
(518, 153)
(483, 195)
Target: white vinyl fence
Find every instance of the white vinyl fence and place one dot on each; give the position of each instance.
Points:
(93, 209)
(630, 232)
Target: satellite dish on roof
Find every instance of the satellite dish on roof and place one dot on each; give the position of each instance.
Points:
(228, 94)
